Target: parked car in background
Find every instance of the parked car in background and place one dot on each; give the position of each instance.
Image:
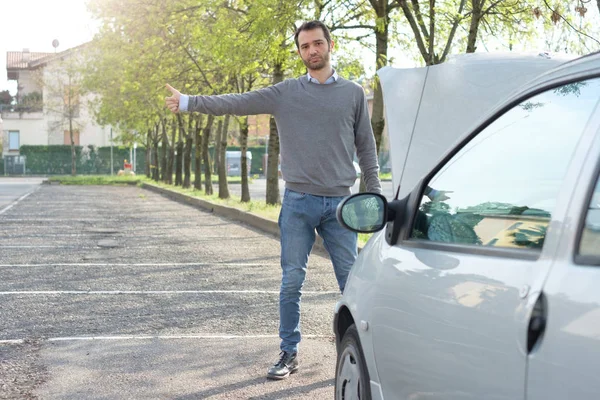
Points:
(481, 281)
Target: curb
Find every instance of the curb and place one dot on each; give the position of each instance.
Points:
(260, 223)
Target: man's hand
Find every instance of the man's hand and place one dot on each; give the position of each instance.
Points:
(173, 101)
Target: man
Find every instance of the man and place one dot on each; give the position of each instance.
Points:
(322, 120)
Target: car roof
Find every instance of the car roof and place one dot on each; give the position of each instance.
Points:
(431, 109)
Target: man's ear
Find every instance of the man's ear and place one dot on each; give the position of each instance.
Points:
(331, 45)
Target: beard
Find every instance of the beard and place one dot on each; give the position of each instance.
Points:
(318, 63)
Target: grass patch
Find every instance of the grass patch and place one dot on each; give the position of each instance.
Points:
(95, 180)
(236, 180)
(123, 180)
(385, 176)
(363, 238)
(258, 207)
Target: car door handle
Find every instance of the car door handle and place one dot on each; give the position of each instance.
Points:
(537, 323)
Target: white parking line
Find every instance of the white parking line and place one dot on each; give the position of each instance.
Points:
(137, 292)
(14, 203)
(225, 264)
(160, 337)
(44, 247)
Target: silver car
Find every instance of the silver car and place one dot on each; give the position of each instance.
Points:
(482, 280)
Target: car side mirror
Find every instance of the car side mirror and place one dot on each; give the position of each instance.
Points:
(397, 218)
(363, 212)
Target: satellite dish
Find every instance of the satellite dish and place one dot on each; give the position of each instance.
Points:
(55, 43)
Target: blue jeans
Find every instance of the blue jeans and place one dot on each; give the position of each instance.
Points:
(301, 214)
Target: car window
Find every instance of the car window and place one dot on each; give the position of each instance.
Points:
(590, 237)
(500, 189)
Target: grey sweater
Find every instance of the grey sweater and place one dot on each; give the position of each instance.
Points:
(320, 127)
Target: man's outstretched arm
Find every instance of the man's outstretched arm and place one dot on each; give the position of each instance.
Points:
(263, 101)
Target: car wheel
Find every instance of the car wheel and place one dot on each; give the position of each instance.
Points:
(351, 375)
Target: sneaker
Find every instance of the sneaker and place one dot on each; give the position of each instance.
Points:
(287, 364)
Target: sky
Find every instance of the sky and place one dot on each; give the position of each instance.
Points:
(34, 24)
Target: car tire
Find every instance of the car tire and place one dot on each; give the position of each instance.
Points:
(351, 375)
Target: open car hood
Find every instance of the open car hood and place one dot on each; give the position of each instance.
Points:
(429, 109)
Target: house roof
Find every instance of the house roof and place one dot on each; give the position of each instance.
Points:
(15, 59)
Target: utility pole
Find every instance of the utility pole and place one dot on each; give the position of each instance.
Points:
(112, 167)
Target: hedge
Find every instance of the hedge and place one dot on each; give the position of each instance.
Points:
(92, 160)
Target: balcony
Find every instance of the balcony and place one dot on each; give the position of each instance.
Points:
(31, 106)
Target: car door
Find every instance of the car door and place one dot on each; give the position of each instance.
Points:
(451, 307)
(565, 362)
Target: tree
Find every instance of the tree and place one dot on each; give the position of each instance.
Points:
(6, 98)
(568, 29)
(208, 188)
(222, 170)
(62, 81)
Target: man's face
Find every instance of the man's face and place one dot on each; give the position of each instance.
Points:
(314, 49)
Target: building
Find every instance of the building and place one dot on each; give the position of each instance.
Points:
(44, 91)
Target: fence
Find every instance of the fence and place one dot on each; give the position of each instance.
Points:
(92, 160)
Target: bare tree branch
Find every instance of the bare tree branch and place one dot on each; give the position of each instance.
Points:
(419, 16)
(492, 6)
(352, 27)
(432, 30)
(568, 23)
(415, 28)
(455, 24)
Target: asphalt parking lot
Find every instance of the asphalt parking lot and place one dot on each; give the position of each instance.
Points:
(118, 292)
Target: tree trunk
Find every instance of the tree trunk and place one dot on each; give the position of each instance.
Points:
(179, 162)
(198, 153)
(155, 171)
(148, 154)
(163, 152)
(73, 154)
(223, 185)
(244, 159)
(208, 188)
(377, 119)
(474, 27)
(272, 195)
(218, 147)
(187, 162)
(171, 159)
(187, 154)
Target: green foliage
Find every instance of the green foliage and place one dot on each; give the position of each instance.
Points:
(5, 98)
(30, 102)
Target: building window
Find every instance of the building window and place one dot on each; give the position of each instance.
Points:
(13, 141)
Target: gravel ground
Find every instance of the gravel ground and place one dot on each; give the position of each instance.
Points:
(117, 292)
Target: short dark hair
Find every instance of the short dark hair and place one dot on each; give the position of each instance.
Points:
(309, 26)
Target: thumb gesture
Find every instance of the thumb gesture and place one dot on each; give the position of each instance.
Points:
(173, 101)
